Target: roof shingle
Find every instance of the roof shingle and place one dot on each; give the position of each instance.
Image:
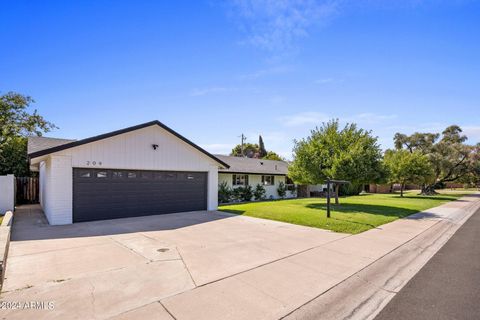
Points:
(36, 144)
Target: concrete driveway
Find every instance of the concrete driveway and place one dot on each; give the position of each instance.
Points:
(204, 266)
(122, 268)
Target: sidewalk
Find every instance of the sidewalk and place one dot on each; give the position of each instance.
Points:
(278, 289)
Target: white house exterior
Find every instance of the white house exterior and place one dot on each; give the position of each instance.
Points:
(174, 168)
(250, 171)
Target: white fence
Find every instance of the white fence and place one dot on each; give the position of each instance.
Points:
(7, 193)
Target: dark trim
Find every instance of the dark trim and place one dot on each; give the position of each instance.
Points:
(254, 173)
(117, 132)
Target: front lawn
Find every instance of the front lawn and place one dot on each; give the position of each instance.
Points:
(354, 214)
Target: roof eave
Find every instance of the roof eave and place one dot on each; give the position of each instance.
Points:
(121, 131)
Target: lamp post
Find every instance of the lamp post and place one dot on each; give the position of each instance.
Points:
(328, 198)
(329, 182)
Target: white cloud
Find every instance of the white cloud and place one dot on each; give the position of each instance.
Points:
(472, 132)
(304, 118)
(277, 24)
(210, 90)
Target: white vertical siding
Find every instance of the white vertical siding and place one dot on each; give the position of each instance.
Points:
(212, 198)
(57, 190)
(132, 150)
(41, 183)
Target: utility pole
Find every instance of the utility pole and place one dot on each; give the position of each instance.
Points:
(243, 140)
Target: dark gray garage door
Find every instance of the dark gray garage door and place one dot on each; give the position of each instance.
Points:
(108, 194)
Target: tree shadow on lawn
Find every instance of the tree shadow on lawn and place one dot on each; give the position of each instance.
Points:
(240, 212)
(386, 211)
(440, 198)
(365, 208)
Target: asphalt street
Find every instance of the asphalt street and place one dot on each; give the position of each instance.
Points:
(448, 286)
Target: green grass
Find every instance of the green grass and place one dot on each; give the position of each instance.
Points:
(353, 215)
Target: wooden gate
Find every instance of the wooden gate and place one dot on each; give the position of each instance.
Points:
(27, 190)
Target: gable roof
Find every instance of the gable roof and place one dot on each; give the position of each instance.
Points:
(253, 166)
(36, 144)
(54, 145)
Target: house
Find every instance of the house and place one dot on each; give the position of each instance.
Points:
(251, 171)
(141, 170)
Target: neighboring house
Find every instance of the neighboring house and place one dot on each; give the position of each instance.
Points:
(142, 170)
(252, 171)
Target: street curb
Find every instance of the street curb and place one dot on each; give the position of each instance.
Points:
(364, 294)
(5, 231)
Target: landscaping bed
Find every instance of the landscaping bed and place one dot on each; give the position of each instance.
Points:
(354, 214)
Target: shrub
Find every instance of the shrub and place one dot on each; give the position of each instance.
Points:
(350, 189)
(237, 194)
(281, 190)
(224, 192)
(243, 193)
(259, 192)
(247, 193)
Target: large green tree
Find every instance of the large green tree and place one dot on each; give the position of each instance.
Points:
(16, 124)
(407, 167)
(331, 152)
(449, 156)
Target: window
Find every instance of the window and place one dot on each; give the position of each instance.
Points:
(101, 174)
(131, 175)
(190, 177)
(85, 174)
(240, 180)
(117, 175)
(268, 180)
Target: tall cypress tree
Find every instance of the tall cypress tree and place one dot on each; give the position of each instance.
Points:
(261, 147)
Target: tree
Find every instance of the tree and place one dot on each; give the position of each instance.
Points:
(449, 156)
(407, 167)
(262, 152)
(331, 152)
(251, 150)
(13, 157)
(16, 124)
(273, 156)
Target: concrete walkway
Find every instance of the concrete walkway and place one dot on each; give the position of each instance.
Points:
(220, 266)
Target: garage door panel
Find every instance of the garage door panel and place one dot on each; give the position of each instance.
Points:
(108, 194)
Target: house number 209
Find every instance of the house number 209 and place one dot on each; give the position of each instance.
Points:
(94, 163)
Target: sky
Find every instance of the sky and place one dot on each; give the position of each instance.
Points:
(212, 70)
